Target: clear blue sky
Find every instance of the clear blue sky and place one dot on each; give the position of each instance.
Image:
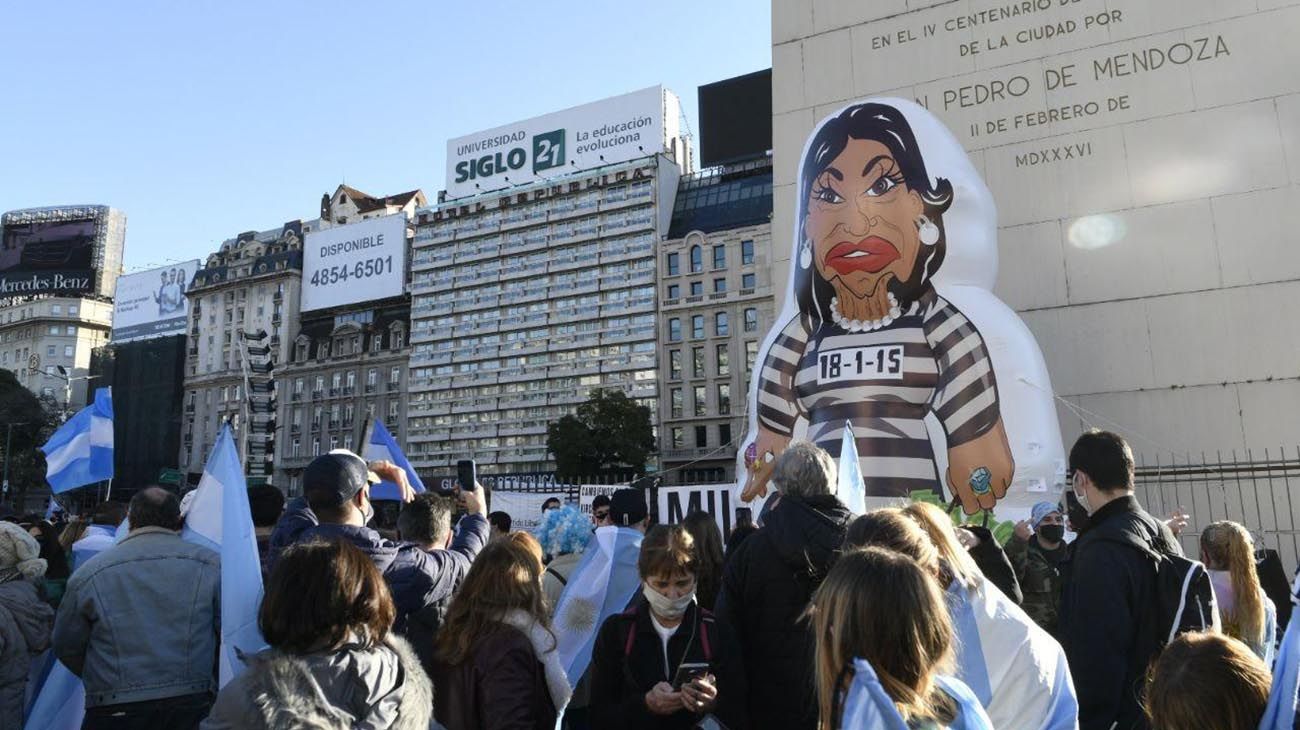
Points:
(204, 119)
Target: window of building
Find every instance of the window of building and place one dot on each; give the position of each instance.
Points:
(349, 412)
(701, 400)
(399, 339)
(300, 352)
(295, 447)
(395, 375)
(298, 385)
(351, 381)
(71, 330)
(322, 351)
(674, 364)
(372, 377)
(720, 325)
(316, 415)
(675, 435)
(334, 442)
(719, 257)
(676, 398)
(67, 350)
(315, 447)
(701, 437)
(697, 326)
(719, 286)
(376, 342)
(674, 330)
(697, 362)
(347, 441)
(697, 259)
(747, 281)
(674, 264)
(225, 394)
(724, 360)
(746, 253)
(320, 383)
(297, 416)
(751, 319)
(72, 309)
(56, 309)
(54, 329)
(724, 434)
(336, 381)
(674, 291)
(697, 288)
(49, 351)
(751, 354)
(392, 414)
(724, 401)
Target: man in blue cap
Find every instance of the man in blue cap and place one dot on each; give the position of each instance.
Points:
(1036, 552)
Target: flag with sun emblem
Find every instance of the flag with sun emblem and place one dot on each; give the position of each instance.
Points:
(602, 585)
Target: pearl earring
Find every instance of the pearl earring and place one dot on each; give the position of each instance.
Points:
(928, 230)
(805, 255)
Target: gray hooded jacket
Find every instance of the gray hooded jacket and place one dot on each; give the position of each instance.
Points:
(351, 688)
(25, 625)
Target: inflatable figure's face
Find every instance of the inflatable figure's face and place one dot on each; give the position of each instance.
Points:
(861, 221)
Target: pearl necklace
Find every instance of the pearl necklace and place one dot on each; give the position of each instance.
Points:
(853, 325)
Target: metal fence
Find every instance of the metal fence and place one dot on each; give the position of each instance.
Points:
(1251, 488)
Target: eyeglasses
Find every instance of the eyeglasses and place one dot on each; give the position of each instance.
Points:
(602, 515)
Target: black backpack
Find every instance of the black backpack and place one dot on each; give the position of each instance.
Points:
(1184, 597)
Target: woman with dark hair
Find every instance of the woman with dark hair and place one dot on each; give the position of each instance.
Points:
(1207, 680)
(333, 662)
(496, 664)
(873, 343)
(56, 571)
(708, 555)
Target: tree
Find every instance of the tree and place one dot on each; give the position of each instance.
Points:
(608, 432)
(33, 420)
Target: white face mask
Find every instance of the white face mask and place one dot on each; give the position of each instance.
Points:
(367, 513)
(1081, 496)
(665, 607)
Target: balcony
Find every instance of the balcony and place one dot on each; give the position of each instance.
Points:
(371, 387)
(349, 390)
(296, 396)
(317, 394)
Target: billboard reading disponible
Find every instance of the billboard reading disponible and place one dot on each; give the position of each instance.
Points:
(152, 303)
(48, 256)
(605, 132)
(359, 262)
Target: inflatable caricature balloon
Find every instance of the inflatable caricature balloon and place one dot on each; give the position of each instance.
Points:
(890, 325)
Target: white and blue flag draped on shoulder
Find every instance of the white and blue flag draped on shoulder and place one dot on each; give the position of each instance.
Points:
(381, 446)
(1280, 713)
(220, 518)
(852, 490)
(81, 451)
(868, 707)
(602, 584)
(1015, 668)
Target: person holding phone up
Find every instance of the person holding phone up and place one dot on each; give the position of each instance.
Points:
(665, 662)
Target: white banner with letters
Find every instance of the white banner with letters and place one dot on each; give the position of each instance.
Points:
(152, 303)
(359, 262)
(677, 502)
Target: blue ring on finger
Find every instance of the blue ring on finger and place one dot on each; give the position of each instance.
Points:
(980, 481)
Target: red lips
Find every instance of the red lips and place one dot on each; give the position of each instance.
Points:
(872, 254)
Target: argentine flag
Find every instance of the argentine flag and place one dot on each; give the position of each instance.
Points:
(381, 446)
(1015, 668)
(602, 584)
(81, 451)
(868, 707)
(852, 491)
(1280, 713)
(219, 518)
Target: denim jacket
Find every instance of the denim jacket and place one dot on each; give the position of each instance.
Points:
(140, 621)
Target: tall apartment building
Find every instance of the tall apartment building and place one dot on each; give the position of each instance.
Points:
(715, 289)
(527, 298)
(37, 337)
(346, 362)
(243, 316)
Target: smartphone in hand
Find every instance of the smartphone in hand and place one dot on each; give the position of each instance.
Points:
(688, 672)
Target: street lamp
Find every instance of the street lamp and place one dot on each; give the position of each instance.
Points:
(67, 387)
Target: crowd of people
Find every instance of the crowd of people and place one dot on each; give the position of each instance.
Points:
(810, 618)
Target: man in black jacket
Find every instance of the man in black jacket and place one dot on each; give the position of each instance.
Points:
(1107, 615)
(768, 581)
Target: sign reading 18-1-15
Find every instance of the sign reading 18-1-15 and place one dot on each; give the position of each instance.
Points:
(359, 262)
(605, 132)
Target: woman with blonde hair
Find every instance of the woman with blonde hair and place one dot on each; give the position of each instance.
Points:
(1248, 614)
(882, 607)
(496, 664)
(1015, 668)
(1207, 681)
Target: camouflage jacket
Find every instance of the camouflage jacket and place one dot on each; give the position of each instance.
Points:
(1038, 571)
